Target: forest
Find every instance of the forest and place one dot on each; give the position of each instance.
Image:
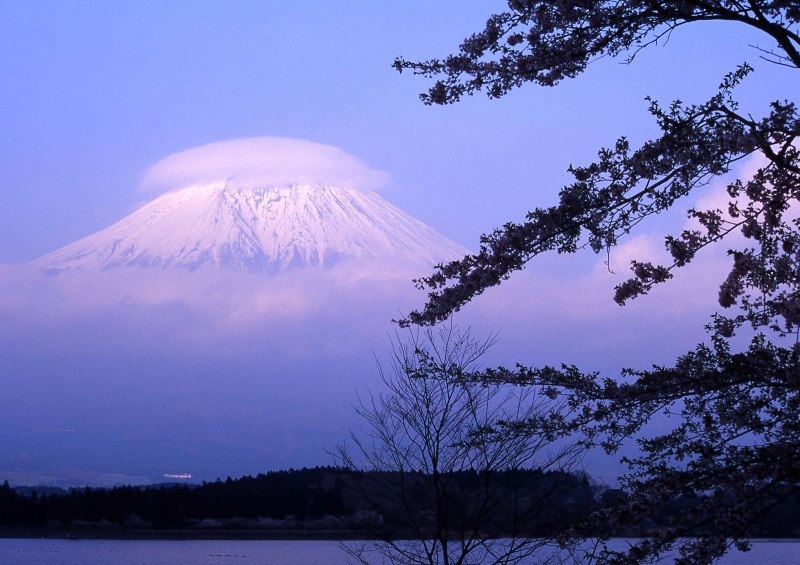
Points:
(325, 503)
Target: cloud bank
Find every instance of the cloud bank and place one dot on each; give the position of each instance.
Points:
(262, 161)
(210, 372)
(224, 373)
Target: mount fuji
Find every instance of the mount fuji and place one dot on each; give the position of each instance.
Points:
(258, 228)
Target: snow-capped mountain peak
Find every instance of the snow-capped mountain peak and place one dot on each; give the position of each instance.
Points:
(257, 229)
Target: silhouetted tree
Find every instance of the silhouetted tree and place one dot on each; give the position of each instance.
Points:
(441, 479)
(738, 435)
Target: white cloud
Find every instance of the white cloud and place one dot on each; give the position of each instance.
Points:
(262, 161)
(194, 310)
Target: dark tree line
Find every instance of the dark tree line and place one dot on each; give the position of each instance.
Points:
(303, 494)
(318, 499)
(331, 500)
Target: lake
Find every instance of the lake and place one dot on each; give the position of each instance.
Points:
(272, 552)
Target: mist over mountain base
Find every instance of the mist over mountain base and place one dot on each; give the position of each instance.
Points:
(122, 376)
(128, 375)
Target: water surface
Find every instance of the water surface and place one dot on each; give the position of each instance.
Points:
(265, 552)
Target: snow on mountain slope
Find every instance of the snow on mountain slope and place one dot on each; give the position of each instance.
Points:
(262, 229)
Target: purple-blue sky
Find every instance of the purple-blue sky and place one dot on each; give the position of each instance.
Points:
(95, 93)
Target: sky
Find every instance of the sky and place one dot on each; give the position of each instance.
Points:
(95, 94)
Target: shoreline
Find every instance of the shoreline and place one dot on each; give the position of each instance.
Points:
(189, 534)
(235, 535)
